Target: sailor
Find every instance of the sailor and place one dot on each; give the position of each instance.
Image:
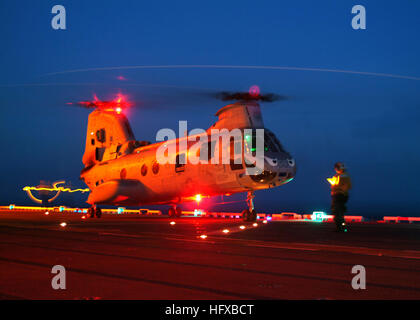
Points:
(340, 186)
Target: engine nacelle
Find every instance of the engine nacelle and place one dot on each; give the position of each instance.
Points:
(239, 115)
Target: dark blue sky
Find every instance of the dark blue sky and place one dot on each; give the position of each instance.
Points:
(369, 122)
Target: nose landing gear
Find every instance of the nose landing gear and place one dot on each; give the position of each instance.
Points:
(250, 214)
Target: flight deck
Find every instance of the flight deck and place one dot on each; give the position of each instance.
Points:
(130, 256)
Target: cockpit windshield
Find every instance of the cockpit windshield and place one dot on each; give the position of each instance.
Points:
(268, 140)
(254, 141)
(275, 141)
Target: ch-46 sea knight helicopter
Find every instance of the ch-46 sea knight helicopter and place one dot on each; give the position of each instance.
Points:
(121, 171)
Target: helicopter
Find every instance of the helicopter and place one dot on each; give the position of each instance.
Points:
(122, 171)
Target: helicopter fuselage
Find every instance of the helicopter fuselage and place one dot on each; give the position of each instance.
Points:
(122, 171)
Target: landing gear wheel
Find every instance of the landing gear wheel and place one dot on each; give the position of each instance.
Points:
(253, 216)
(178, 212)
(98, 212)
(245, 215)
(171, 212)
(91, 212)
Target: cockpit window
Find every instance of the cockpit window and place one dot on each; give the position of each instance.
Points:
(268, 142)
(279, 145)
(276, 142)
(254, 140)
(271, 143)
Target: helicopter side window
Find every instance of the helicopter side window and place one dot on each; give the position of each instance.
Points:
(204, 152)
(101, 135)
(155, 167)
(143, 169)
(180, 163)
(235, 150)
(99, 154)
(207, 151)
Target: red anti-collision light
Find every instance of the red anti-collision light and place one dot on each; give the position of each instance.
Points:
(254, 91)
(118, 104)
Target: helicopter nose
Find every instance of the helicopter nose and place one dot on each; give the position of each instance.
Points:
(271, 162)
(286, 169)
(278, 169)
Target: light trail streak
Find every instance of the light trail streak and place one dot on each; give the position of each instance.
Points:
(29, 189)
(240, 67)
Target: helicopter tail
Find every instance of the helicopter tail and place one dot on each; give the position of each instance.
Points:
(108, 131)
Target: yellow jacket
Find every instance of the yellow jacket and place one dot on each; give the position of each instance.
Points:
(343, 185)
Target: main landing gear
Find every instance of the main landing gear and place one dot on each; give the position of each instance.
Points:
(250, 214)
(175, 212)
(94, 211)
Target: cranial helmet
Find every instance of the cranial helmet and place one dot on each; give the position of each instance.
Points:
(339, 166)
